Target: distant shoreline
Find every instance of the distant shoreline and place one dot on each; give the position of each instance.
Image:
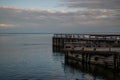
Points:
(26, 33)
(69, 33)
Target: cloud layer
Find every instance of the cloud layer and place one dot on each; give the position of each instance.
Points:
(50, 20)
(92, 4)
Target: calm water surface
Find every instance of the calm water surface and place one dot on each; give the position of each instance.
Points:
(30, 57)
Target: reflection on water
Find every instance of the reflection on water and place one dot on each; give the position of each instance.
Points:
(30, 57)
(73, 72)
(92, 72)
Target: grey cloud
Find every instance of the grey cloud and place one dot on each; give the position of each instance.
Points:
(46, 20)
(92, 4)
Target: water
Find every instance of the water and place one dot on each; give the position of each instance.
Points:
(30, 57)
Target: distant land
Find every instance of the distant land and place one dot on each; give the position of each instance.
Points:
(69, 33)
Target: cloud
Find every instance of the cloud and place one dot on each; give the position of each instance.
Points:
(6, 25)
(92, 4)
(51, 20)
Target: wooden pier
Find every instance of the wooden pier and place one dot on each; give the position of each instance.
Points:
(100, 49)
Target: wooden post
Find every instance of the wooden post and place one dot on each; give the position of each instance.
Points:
(83, 59)
(115, 61)
(66, 57)
(86, 57)
(89, 58)
(118, 61)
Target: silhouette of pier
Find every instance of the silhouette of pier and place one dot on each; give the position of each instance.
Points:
(99, 49)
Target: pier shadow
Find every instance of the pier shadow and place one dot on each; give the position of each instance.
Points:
(94, 70)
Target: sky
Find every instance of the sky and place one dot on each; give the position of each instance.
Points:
(59, 16)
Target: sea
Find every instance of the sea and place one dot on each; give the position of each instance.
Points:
(31, 57)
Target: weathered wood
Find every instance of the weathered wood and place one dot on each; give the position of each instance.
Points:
(100, 49)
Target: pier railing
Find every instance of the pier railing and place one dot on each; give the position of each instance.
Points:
(89, 36)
